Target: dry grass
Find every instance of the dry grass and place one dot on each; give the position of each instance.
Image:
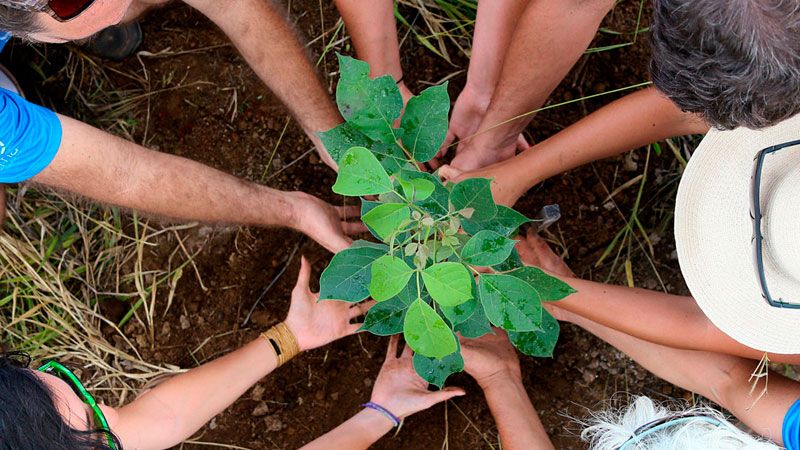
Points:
(60, 261)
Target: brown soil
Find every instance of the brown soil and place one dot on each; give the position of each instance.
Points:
(230, 121)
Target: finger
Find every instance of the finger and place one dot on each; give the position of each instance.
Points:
(449, 173)
(407, 352)
(305, 274)
(360, 309)
(353, 227)
(445, 394)
(348, 212)
(353, 328)
(522, 143)
(340, 243)
(391, 352)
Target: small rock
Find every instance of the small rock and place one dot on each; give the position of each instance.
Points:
(313, 159)
(258, 392)
(165, 329)
(213, 424)
(367, 382)
(185, 325)
(273, 424)
(261, 410)
(588, 376)
(335, 396)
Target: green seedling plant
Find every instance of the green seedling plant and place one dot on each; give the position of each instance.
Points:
(445, 263)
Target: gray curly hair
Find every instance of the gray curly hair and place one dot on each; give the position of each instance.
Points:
(734, 62)
(19, 17)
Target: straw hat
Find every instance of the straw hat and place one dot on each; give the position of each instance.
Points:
(714, 234)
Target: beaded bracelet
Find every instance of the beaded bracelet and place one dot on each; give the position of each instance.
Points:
(395, 420)
(283, 341)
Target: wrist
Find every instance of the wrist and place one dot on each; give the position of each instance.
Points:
(372, 423)
(283, 341)
(503, 378)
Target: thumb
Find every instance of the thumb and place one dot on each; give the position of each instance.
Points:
(305, 274)
(450, 173)
(445, 394)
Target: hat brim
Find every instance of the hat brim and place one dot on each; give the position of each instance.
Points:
(713, 233)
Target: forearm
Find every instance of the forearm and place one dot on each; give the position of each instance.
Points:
(174, 410)
(266, 41)
(372, 29)
(633, 121)
(494, 26)
(111, 170)
(723, 379)
(671, 320)
(358, 432)
(548, 40)
(517, 421)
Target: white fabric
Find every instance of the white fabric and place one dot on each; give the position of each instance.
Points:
(714, 231)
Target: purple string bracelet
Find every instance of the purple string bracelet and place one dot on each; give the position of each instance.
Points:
(395, 420)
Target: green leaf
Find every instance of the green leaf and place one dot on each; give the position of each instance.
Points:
(390, 156)
(512, 262)
(370, 105)
(386, 318)
(436, 205)
(510, 303)
(347, 277)
(549, 288)
(386, 218)
(539, 343)
(367, 206)
(360, 173)
(448, 283)
(426, 333)
(476, 324)
(435, 371)
(425, 122)
(474, 193)
(340, 139)
(459, 313)
(487, 248)
(417, 189)
(389, 276)
(506, 222)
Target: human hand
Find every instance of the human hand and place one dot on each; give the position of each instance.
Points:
(316, 323)
(507, 186)
(327, 224)
(534, 251)
(399, 389)
(466, 122)
(490, 358)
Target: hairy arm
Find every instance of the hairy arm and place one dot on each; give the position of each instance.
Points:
(719, 377)
(108, 169)
(260, 32)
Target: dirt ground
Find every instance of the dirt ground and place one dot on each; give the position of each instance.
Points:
(203, 102)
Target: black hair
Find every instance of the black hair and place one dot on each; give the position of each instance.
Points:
(18, 22)
(733, 62)
(29, 418)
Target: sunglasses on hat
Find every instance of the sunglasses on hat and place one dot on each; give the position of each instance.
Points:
(61, 10)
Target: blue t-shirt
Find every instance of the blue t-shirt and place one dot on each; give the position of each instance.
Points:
(5, 36)
(29, 138)
(791, 427)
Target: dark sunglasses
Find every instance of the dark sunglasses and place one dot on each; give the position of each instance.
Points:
(755, 214)
(61, 10)
(59, 370)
